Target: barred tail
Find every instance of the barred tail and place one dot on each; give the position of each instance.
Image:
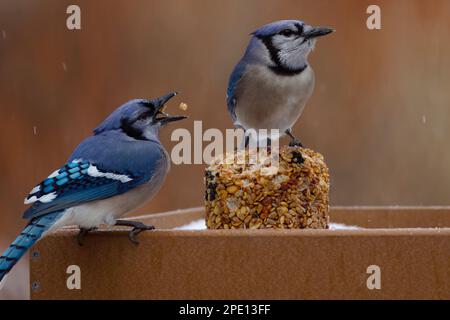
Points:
(32, 232)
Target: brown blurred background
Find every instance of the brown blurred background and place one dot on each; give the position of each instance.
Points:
(379, 113)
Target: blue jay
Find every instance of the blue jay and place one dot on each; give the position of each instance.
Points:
(270, 85)
(120, 167)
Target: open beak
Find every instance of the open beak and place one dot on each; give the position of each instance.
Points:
(161, 116)
(167, 119)
(317, 32)
(161, 101)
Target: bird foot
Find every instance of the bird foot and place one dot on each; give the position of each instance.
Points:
(138, 227)
(82, 234)
(295, 143)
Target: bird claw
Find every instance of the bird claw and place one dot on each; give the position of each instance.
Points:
(136, 230)
(295, 143)
(82, 234)
(138, 227)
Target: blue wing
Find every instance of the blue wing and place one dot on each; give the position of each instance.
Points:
(235, 76)
(92, 177)
(77, 182)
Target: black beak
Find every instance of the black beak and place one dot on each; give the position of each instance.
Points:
(317, 32)
(166, 120)
(164, 117)
(161, 101)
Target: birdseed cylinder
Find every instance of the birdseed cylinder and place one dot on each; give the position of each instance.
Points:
(292, 195)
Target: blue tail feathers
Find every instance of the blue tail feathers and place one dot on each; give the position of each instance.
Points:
(32, 232)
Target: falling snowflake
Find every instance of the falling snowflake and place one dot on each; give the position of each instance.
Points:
(424, 119)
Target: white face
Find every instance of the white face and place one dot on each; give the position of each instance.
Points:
(293, 49)
(147, 125)
(151, 132)
(141, 124)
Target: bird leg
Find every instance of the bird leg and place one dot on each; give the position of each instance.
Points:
(247, 141)
(294, 141)
(267, 145)
(82, 234)
(138, 227)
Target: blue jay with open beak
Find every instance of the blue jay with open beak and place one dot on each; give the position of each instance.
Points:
(119, 168)
(271, 84)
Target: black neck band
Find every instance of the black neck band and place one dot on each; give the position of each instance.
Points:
(128, 129)
(283, 71)
(279, 69)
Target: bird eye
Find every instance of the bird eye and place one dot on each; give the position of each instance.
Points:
(143, 116)
(287, 32)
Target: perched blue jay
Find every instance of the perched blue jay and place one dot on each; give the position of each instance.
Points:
(120, 167)
(270, 85)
